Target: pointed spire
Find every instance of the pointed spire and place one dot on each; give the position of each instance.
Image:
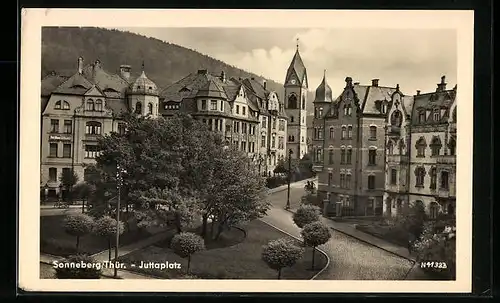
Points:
(142, 65)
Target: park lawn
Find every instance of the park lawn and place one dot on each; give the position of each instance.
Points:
(386, 232)
(55, 241)
(234, 257)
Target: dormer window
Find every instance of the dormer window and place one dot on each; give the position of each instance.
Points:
(421, 116)
(436, 115)
(384, 108)
(98, 105)
(61, 105)
(90, 105)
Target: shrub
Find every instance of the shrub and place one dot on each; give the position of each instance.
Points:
(78, 273)
(78, 225)
(105, 227)
(315, 234)
(281, 253)
(306, 214)
(310, 199)
(275, 181)
(185, 244)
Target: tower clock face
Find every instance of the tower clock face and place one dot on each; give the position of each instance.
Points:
(293, 81)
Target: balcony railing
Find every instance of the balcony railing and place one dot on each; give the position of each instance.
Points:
(448, 159)
(398, 158)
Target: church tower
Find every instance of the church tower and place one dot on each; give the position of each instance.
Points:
(295, 106)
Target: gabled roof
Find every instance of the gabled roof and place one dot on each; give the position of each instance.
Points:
(298, 68)
(374, 94)
(51, 82)
(212, 89)
(429, 101)
(76, 85)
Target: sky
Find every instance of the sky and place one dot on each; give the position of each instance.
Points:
(413, 58)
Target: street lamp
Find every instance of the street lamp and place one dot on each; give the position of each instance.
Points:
(290, 152)
(119, 181)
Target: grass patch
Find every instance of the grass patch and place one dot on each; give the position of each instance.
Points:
(228, 259)
(390, 233)
(55, 241)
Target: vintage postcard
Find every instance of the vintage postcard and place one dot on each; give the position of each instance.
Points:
(246, 151)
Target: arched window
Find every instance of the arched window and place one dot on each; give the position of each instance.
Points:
(435, 146)
(291, 119)
(90, 105)
(433, 210)
(454, 115)
(344, 131)
(396, 118)
(318, 155)
(433, 178)
(349, 132)
(150, 108)
(371, 182)
(98, 105)
(65, 105)
(93, 128)
(342, 155)
(292, 102)
(420, 146)
(373, 132)
(58, 105)
(347, 110)
(138, 108)
(320, 112)
(390, 147)
(420, 176)
(445, 182)
(436, 115)
(401, 147)
(452, 145)
(330, 156)
(383, 109)
(349, 155)
(332, 133)
(303, 103)
(421, 116)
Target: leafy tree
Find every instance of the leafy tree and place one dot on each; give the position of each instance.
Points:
(106, 227)
(306, 166)
(92, 272)
(78, 225)
(411, 220)
(83, 191)
(186, 244)
(315, 234)
(281, 253)
(306, 214)
(68, 179)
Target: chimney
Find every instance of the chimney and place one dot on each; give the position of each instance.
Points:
(441, 86)
(125, 71)
(264, 83)
(375, 82)
(223, 77)
(397, 87)
(348, 81)
(202, 72)
(80, 65)
(418, 92)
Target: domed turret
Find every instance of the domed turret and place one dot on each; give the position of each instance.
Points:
(323, 92)
(143, 85)
(143, 96)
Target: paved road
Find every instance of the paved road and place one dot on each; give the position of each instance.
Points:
(350, 259)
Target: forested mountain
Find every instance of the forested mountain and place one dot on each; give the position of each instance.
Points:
(165, 62)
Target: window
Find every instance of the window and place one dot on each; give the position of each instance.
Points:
(330, 177)
(433, 210)
(150, 108)
(65, 171)
(320, 112)
(343, 135)
(373, 132)
(436, 115)
(264, 122)
(67, 151)
(330, 156)
(371, 182)
(349, 132)
(220, 125)
(394, 176)
(61, 105)
(433, 178)
(222, 106)
(401, 147)
(121, 128)
(384, 108)
(213, 105)
(342, 156)
(243, 128)
(390, 148)
(281, 143)
(421, 145)
(332, 133)
(396, 118)
(67, 127)
(421, 116)
(349, 110)
(243, 110)
(342, 180)
(203, 104)
(348, 181)
(91, 151)
(210, 124)
(138, 108)
(93, 128)
(452, 146)
(54, 126)
(243, 146)
(263, 141)
(282, 125)
(58, 105)
(349, 156)
(52, 174)
(347, 202)
(98, 105)
(273, 141)
(53, 150)
(320, 133)
(292, 102)
(90, 105)
(303, 103)
(444, 180)
(372, 157)
(274, 123)
(319, 155)
(420, 175)
(291, 119)
(435, 146)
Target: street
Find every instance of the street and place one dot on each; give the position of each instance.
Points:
(350, 259)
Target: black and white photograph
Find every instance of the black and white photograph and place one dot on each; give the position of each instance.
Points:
(239, 152)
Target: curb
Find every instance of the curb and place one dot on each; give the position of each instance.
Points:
(318, 249)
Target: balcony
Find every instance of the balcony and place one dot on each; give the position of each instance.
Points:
(398, 158)
(393, 130)
(446, 159)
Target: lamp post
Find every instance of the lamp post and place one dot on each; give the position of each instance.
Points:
(119, 180)
(290, 152)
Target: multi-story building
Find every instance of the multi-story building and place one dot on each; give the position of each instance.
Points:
(296, 86)
(428, 163)
(250, 116)
(348, 142)
(76, 110)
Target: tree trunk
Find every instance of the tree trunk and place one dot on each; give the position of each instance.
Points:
(189, 263)
(220, 229)
(77, 242)
(109, 248)
(178, 223)
(204, 226)
(314, 249)
(279, 273)
(83, 205)
(212, 229)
